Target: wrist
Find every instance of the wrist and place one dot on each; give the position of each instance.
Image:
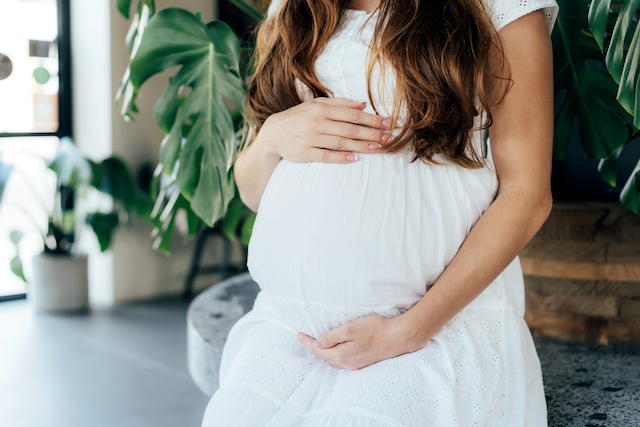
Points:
(267, 146)
(414, 334)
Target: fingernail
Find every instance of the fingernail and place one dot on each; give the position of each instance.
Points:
(318, 343)
(385, 137)
(374, 146)
(386, 122)
(351, 157)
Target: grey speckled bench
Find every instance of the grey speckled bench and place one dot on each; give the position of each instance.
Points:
(586, 385)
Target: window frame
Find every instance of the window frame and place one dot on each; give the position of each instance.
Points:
(64, 78)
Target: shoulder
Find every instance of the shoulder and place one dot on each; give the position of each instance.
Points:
(503, 12)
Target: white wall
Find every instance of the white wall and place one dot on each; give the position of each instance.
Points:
(130, 270)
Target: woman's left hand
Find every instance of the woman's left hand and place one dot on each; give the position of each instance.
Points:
(363, 342)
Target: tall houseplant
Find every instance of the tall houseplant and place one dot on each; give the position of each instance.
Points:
(200, 111)
(60, 271)
(204, 126)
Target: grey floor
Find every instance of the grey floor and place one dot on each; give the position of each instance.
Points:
(114, 368)
(127, 367)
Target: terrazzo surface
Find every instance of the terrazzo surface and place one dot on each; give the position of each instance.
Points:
(590, 385)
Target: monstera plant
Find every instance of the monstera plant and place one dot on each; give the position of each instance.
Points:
(59, 279)
(596, 53)
(596, 47)
(200, 111)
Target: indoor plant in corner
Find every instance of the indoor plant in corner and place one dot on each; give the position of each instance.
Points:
(60, 280)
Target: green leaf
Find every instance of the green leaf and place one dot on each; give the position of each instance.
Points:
(616, 51)
(590, 91)
(112, 176)
(247, 228)
(209, 59)
(126, 95)
(630, 77)
(598, 18)
(608, 168)
(165, 218)
(623, 49)
(16, 267)
(15, 237)
(71, 167)
(629, 195)
(231, 221)
(5, 173)
(248, 9)
(103, 226)
(124, 6)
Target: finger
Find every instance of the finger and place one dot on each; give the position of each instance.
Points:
(328, 355)
(333, 337)
(340, 101)
(352, 115)
(328, 156)
(352, 132)
(339, 143)
(305, 339)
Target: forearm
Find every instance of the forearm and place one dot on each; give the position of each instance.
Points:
(498, 236)
(253, 168)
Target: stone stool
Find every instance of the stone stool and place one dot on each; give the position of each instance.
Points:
(585, 383)
(209, 319)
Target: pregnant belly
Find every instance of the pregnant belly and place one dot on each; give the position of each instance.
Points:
(333, 242)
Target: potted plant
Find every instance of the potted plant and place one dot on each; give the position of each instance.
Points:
(60, 281)
(596, 51)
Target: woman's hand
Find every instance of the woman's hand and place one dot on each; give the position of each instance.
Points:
(309, 131)
(364, 341)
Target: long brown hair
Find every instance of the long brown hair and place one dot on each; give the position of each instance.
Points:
(438, 50)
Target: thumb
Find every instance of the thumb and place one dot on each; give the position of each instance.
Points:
(332, 338)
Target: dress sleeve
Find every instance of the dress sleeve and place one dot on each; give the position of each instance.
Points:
(504, 11)
(273, 6)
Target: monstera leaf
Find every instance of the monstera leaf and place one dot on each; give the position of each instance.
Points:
(623, 50)
(201, 136)
(587, 90)
(71, 167)
(126, 95)
(103, 225)
(622, 59)
(124, 6)
(584, 88)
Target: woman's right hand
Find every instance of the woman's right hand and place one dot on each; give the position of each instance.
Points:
(309, 131)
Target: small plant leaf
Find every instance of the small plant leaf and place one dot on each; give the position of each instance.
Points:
(16, 267)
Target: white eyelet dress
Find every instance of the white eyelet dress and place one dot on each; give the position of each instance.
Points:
(334, 242)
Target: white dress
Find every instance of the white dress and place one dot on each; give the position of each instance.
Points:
(333, 242)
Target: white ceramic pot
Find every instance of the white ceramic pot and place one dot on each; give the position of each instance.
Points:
(60, 283)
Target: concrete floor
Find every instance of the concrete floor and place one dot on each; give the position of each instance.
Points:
(122, 367)
(127, 367)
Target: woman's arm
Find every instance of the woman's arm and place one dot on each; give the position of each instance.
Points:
(521, 141)
(253, 168)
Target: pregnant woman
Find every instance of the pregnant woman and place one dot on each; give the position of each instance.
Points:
(388, 226)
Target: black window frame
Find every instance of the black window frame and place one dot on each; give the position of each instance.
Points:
(64, 78)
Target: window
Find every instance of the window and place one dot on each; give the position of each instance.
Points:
(35, 110)
(35, 78)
